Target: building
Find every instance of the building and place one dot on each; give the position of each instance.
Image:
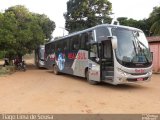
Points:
(154, 43)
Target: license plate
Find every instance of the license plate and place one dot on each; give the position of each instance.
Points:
(140, 79)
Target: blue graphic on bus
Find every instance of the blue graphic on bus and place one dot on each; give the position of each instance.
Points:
(61, 61)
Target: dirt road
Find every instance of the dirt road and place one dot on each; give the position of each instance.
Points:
(40, 91)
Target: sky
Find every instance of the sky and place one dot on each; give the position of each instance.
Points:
(54, 9)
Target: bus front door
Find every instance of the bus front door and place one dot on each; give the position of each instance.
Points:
(107, 63)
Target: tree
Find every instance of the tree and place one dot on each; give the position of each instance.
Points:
(144, 24)
(47, 25)
(7, 30)
(22, 31)
(155, 20)
(83, 14)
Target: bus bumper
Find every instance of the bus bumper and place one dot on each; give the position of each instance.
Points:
(128, 78)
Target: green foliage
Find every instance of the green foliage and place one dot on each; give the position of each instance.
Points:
(150, 26)
(82, 14)
(7, 70)
(155, 20)
(141, 24)
(22, 31)
(87, 13)
(127, 22)
(46, 24)
(1, 55)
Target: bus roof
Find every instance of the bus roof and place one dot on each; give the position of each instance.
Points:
(92, 28)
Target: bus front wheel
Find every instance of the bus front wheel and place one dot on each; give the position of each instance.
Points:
(55, 70)
(90, 81)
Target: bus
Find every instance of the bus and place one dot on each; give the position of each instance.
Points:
(39, 56)
(108, 53)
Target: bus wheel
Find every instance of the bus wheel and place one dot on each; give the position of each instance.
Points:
(55, 70)
(90, 81)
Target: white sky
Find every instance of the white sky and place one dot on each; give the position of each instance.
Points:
(54, 9)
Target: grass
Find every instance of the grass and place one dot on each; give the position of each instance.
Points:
(7, 70)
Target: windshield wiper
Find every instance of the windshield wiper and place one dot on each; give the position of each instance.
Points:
(138, 45)
(139, 42)
(134, 47)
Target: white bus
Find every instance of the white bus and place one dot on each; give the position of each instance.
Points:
(105, 53)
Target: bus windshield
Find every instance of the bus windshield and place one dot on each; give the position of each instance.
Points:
(133, 49)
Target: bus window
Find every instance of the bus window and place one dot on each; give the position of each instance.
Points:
(93, 51)
(65, 45)
(91, 36)
(52, 47)
(47, 50)
(85, 38)
(102, 33)
(84, 41)
(59, 46)
(75, 43)
(107, 49)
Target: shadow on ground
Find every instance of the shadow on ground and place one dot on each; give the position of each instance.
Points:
(102, 84)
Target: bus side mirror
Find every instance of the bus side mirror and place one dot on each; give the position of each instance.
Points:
(114, 42)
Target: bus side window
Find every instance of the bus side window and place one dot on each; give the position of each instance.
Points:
(60, 46)
(46, 50)
(65, 45)
(93, 51)
(84, 41)
(91, 36)
(71, 43)
(102, 33)
(55, 46)
(75, 43)
(52, 47)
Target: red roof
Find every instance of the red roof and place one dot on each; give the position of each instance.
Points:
(153, 39)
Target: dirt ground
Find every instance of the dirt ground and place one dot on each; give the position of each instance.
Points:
(40, 91)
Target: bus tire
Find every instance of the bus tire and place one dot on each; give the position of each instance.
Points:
(37, 64)
(55, 70)
(92, 82)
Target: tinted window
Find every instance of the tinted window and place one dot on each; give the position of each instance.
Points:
(52, 47)
(65, 45)
(102, 33)
(86, 38)
(75, 42)
(91, 36)
(47, 49)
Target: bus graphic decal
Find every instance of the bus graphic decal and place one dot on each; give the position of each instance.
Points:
(61, 61)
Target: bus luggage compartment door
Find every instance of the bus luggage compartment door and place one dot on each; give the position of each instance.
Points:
(94, 71)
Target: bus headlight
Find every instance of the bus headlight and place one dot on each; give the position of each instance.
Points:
(150, 73)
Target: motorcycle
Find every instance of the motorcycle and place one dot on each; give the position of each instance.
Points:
(21, 66)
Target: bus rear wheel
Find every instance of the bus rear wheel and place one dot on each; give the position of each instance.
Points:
(90, 81)
(55, 70)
